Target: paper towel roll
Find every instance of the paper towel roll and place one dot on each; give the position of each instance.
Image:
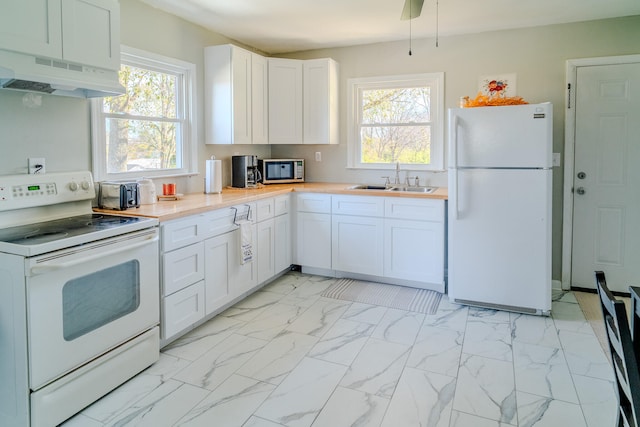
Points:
(213, 176)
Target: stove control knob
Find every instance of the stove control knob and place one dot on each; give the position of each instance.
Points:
(85, 185)
(73, 186)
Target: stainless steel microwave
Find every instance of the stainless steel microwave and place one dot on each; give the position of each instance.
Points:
(281, 171)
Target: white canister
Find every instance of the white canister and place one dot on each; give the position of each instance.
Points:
(147, 192)
(213, 176)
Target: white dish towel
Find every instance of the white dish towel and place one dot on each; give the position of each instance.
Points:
(246, 241)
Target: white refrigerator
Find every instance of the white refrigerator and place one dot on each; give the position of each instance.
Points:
(499, 217)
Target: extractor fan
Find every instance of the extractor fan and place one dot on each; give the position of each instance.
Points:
(411, 9)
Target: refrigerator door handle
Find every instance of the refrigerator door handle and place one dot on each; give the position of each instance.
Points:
(453, 131)
(455, 186)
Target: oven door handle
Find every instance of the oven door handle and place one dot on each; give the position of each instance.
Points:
(41, 269)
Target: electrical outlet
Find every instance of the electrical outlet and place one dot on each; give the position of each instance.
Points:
(318, 156)
(36, 165)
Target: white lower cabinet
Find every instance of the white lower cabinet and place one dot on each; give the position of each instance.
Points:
(357, 244)
(182, 309)
(265, 241)
(200, 279)
(313, 230)
(414, 250)
(414, 241)
(218, 254)
(243, 277)
(282, 253)
(313, 240)
(395, 239)
(182, 267)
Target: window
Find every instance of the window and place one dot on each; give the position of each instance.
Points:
(396, 119)
(149, 131)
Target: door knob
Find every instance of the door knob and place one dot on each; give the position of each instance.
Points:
(580, 190)
(582, 175)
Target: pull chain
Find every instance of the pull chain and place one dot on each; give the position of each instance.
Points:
(437, 20)
(410, 19)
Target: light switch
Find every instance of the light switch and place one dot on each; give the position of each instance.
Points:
(556, 159)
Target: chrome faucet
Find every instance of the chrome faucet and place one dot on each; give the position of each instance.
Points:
(397, 180)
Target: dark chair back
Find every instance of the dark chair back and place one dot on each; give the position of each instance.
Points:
(623, 355)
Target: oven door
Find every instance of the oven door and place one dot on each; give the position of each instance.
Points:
(84, 301)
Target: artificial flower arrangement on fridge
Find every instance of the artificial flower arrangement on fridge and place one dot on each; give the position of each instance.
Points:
(494, 91)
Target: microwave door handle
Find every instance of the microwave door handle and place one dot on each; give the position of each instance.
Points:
(41, 269)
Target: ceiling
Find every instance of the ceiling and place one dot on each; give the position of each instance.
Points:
(278, 26)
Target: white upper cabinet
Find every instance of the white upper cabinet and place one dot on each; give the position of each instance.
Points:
(32, 26)
(85, 32)
(259, 99)
(303, 101)
(320, 101)
(235, 96)
(285, 101)
(91, 32)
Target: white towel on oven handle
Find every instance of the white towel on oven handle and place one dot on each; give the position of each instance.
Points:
(246, 241)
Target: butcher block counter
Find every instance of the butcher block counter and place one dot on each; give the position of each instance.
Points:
(194, 203)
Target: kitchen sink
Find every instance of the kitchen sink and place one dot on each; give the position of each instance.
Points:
(425, 190)
(366, 187)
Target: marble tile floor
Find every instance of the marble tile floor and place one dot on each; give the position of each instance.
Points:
(285, 356)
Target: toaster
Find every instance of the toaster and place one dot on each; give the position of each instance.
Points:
(119, 195)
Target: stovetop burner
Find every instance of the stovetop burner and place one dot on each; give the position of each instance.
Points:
(49, 231)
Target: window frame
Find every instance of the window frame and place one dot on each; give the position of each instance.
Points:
(185, 108)
(355, 87)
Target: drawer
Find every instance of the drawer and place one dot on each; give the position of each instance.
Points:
(217, 222)
(264, 209)
(281, 205)
(358, 205)
(181, 232)
(182, 267)
(182, 309)
(312, 202)
(417, 209)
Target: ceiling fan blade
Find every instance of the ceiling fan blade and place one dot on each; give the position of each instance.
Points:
(411, 9)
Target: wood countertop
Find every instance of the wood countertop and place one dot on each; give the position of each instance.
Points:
(196, 203)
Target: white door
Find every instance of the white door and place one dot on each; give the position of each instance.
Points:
(606, 212)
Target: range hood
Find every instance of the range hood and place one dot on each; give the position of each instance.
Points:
(26, 72)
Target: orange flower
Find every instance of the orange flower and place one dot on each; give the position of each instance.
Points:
(491, 101)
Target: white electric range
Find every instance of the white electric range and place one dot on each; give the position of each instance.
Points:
(79, 309)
